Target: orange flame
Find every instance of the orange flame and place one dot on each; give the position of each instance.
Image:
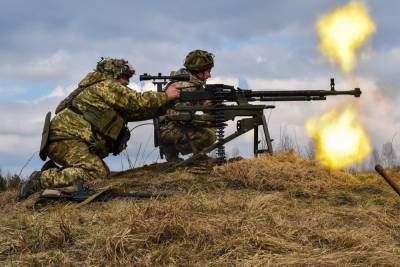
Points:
(343, 32)
(339, 137)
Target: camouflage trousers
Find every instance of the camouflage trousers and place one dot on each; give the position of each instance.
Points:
(79, 164)
(186, 138)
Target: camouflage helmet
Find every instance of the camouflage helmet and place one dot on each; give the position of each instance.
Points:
(115, 67)
(199, 60)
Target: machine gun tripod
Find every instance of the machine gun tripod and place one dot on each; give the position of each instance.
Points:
(219, 115)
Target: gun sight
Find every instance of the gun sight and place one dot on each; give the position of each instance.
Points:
(178, 77)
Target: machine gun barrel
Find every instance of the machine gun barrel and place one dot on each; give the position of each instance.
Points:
(300, 95)
(290, 98)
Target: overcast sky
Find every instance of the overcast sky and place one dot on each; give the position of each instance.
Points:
(47, 47)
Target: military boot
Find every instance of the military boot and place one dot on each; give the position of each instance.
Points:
(31, 186)
(171, 154)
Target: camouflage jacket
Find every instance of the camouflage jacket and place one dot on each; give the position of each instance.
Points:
(104, 94)
(192, 85)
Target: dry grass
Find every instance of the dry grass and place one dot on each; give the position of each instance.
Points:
(280, 210)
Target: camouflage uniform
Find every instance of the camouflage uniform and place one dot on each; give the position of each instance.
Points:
(184, 137)
(84, 133)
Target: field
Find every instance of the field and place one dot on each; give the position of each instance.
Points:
(281, 210)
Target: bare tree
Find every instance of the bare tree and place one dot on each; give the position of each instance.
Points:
(285, 140)
(13, 180)
(389, 157)
(235, 152)
(310, 150)
(3, 182)
(374, 159)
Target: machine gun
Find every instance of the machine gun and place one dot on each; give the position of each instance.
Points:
(221, 111)
(160, 81)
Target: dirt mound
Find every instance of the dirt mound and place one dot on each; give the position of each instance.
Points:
(273, 210)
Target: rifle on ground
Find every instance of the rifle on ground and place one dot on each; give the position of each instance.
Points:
(84, 195)
(160, 81)
(230, 102)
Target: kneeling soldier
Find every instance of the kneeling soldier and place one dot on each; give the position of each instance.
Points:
(91, 123)
(182, 136)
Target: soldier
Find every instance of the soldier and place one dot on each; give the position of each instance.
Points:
(91, 123)
(182, 137)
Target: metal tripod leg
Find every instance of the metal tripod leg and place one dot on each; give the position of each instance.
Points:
(255, 141)
(267, 136)
(263, 123)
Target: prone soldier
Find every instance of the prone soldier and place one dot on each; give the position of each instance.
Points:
(91, 123)
(182, 136)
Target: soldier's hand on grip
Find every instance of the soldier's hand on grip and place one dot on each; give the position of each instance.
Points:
(172, 91)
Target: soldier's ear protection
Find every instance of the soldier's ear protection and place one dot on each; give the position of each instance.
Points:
(127, 69)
